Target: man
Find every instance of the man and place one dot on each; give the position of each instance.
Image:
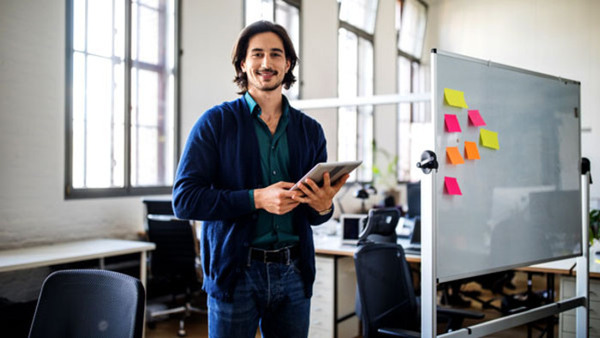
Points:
(235, 172)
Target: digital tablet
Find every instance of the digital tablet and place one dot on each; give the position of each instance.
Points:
(335, 170)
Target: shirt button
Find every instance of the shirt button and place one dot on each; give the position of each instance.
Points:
(274, 172)
(272, 147)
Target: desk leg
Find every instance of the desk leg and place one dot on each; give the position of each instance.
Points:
(143, 268)
(143, 280)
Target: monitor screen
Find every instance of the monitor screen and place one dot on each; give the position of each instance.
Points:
(413, 195)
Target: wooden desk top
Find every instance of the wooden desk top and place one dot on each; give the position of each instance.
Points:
(332, 245)
(38, 256)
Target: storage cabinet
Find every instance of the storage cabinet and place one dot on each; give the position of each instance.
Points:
(567, 319)
(332, 312)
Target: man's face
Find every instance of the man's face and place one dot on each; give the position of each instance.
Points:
(265, 63)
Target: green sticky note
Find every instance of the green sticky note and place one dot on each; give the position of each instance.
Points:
(489, 139)
(455, 98)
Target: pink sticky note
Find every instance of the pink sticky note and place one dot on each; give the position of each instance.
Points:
(452, 125)
(451, 185)
(475, 118)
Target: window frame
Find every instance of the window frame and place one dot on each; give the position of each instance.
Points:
(412, 60)
(127, 190)
(360, 34)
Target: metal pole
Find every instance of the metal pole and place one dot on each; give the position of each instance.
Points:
(583, 263)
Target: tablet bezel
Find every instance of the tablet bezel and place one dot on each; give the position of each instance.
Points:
(316, 173)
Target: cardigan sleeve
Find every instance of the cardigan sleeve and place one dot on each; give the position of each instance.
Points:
(194, 193)
(321, 156)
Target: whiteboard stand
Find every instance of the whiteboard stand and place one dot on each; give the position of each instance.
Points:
(580, 302)
(582, 281)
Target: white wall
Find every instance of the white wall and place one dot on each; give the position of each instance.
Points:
(556, 37)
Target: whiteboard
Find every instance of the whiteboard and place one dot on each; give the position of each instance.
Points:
(520, 204)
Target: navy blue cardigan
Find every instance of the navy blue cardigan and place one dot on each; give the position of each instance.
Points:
(218, 166)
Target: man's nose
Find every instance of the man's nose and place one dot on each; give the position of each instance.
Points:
(266, 61)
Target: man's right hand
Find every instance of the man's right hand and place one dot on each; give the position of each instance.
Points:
(276, 198)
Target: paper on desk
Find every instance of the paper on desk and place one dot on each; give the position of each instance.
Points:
(453, 155)
(451, 122)
(451, 185)
(455, 98)
(489, 139)
(471, 151)
(475, 118)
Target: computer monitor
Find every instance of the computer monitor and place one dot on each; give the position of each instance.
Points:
(413, 196)
(352, 225)
(381, 226)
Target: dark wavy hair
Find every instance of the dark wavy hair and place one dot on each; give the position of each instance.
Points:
(241, 48)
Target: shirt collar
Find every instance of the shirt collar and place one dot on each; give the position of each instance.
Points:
(252, 105)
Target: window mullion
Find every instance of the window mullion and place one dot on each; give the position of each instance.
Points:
(127, 96)
(85, 98)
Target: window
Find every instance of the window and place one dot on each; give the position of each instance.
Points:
(413, 118)
(287, 14)
(355, 78)
(121, 101)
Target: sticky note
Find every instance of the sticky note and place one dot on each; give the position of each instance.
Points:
(451, 186)
(451, 122)
(454, 155)
(489, 139)
(455, 98)
(475, 118)
(471, 151)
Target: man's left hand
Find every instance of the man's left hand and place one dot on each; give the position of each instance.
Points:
(319, 198)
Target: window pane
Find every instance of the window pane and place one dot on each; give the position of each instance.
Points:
(412, 30)
(365, 118)
(359, 13)
(100, 157)
(146, 34)
(100, 27)
(289, 17)
(79, 31)
(258, 10)
(347, 87)
(152, 101)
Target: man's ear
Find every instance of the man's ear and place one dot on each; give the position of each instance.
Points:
(243, 65)
(288, 64)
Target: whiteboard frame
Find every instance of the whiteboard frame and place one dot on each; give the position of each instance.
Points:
(429, 222)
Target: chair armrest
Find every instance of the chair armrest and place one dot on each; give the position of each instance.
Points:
(395, 332)
(459, 313)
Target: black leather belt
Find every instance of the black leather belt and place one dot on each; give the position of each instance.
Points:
(283, 255)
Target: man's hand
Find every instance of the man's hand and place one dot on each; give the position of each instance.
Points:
(276, 198)
(317, 198)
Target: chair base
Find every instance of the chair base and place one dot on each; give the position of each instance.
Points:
(186, 310)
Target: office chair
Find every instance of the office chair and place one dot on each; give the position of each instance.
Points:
(174, 264)
(89, 303)
(380, 227)
(387, 297)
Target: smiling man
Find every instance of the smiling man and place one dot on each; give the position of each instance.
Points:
(235, 172)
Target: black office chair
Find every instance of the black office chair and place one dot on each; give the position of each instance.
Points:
(89, 303)
(174, 264)
(387, 297)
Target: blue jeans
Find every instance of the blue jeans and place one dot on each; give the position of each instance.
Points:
(267, 294)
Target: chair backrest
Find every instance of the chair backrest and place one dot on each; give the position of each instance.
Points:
(385, 288)
(381, 226)
(89, 303)
(176, 250)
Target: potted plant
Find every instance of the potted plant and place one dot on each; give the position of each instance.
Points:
(594, 227)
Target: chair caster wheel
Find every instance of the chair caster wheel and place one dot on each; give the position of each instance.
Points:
(181, 333)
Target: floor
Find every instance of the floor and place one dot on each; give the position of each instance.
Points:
(196, 326)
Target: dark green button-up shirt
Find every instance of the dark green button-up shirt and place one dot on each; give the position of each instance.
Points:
(272, 231)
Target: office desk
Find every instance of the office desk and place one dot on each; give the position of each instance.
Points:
(69, 252)
(334, 257)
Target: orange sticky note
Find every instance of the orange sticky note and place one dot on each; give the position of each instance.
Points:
(452, 125)
(475, 118)
(454, 155)
(451, 186)
(471, 151)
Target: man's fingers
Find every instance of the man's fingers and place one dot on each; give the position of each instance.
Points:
(312, 184)
(326, 180)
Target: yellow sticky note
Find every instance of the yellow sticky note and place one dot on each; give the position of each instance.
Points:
(454, 155)
(455, 98)
(489, 139)
(471, 151)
